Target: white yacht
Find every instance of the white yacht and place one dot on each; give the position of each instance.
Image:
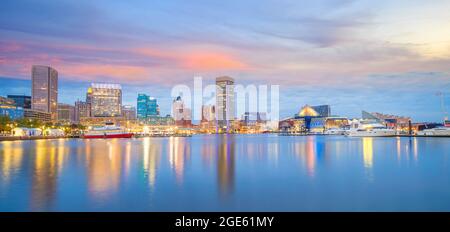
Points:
(437, 131)
(335, 131)
(363, 128)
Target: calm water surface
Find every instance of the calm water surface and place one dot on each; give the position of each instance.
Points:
(226, 173)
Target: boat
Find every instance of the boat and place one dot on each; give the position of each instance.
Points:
(108, 131)
(369, 129)
(437, 131)
(335, 131)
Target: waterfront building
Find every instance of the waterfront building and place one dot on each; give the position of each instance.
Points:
(82, 110)
(292, 125)
(23, 131)
(225, 107)
(9, 109)
(146, 107)
(44, 91)
(101, 121)
(321, 124)
(400, 123)
(181, 113)
(37, 115)
(129, 112)
(66, 113)
(322, 110)
(21, 101)
(106, 100)
(158, 120)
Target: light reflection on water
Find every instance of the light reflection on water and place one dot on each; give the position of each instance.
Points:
(226, 172)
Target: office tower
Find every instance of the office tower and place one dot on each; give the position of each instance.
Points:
(66, 113)
(21, 101)
(82, 110)
(224, 101)
(106, 100)
(129, 112)
(181, 113)
(44, 91)
(147, 107)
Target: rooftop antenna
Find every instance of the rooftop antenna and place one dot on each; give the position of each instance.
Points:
(443, 108)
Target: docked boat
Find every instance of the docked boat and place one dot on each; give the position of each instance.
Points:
(335, 131)
(370, 129)
(437, 131)
(108, 131)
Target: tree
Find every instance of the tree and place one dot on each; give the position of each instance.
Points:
(5, 124)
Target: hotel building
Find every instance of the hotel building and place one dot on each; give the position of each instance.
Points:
(106, 100)
(44, 91)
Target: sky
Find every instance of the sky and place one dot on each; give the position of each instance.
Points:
(379, 56)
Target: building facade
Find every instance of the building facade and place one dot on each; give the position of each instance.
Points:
(44, 91)
(82, 110)
(208, 113)
(9, 109)
(21, 101)
(146, 107)
(66, 113)
(323, 110)
(106, 100)
(129, 112)
(225, 108)
(37, 115)
(181, 113)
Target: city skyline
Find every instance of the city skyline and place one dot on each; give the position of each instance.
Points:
(353, 55)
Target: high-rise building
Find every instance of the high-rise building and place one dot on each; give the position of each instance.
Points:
(66, 113)
(82, 110)
(225, 107)
(147, 107)
(44, 91)
(129, 112)
(21, 101)
(106, 100)
(181, 113)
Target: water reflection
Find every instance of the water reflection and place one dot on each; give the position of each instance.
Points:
(104, 168)
(151, 159)
(179, 154)
(11, 159)
(220, 172)
(48, 163)
(226, 164)
(368, 152)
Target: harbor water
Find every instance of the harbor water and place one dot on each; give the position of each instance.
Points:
(263, 172)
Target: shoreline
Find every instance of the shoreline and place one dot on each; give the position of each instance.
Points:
(19, 138)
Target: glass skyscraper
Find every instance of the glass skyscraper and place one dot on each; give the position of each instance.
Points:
(45, 90)
(147, 107)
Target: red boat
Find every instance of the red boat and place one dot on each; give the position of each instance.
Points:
(108, 131)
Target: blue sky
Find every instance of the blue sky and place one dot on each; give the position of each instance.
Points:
(384, 56)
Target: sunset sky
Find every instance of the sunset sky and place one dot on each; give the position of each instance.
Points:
(385, 56)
